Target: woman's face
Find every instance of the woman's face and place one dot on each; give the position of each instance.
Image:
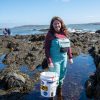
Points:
(57, 25)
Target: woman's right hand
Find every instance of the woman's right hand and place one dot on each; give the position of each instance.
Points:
(71, 61)
(50, 65)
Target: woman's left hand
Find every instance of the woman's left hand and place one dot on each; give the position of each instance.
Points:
(71, 61)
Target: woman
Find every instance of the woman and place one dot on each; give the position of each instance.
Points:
(57, 47)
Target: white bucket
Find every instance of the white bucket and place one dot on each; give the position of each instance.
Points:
(49, 83)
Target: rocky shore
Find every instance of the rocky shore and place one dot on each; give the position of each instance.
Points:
(28, 50)
(93, 83)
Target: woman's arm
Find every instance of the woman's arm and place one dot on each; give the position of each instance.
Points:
(47, 47)
(70, 55)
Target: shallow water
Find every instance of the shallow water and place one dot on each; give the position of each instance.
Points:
(78, 73)
(73, 87)
(2, 66)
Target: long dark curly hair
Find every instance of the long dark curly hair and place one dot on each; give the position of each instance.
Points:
(63, 27)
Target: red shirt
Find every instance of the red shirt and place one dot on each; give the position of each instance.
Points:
(48, 39)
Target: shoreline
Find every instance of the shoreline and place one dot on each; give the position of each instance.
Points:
(29, 49)
(33, 44)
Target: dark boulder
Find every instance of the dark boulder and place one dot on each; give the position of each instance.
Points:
(95, 53)
(13, 79)
(90, 86)
(98, 31)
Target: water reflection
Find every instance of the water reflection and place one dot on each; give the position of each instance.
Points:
(2, 66)
(73, 88)
(31, 73)
(78, 72)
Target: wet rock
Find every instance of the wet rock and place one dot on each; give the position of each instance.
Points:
(34, 48)
(98, 31)
(25, 52)
(90, 86)
(76, 50)
(17, 76)
(98, 75)
(22, 45)
(13, 46)
(95, 53)
(37, 38)
(97, 92)
(14, 80)
(30, 58)
(94, 90)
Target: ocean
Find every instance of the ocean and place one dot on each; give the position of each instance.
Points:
(41, 29)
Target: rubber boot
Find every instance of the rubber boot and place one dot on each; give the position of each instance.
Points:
(52, 98)
(59, 93)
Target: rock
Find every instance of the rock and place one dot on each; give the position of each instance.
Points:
(27, 51)
(15, 80)
(90, 86)
(94, 90)
(35, 38)
(13, 45)
(98, 75)
(97, 92)
(98, 31)
(16, 76)
(95, 53)
(21, 46)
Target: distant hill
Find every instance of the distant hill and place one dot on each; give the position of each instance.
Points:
(28, 26)
(96, 23)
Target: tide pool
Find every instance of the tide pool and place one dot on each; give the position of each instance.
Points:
(73, 87)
